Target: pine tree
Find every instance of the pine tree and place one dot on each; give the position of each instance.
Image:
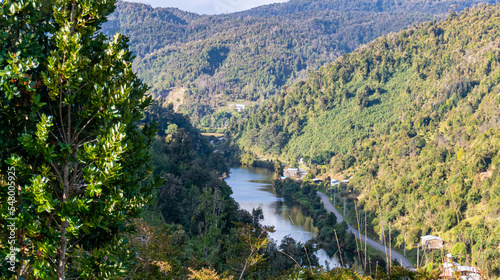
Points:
(69, 108)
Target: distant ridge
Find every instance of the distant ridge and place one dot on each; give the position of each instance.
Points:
(250, 55)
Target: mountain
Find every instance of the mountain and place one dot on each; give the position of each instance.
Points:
(206, 63)
(314, 6)
(414, 117)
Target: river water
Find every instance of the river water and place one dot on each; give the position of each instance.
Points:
(252, 188)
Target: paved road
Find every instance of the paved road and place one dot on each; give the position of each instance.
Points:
(395, 255)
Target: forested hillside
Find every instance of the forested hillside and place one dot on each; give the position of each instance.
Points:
(414, 117)
(78, 142)
(246, 57)
(100, 181)
(194, 228)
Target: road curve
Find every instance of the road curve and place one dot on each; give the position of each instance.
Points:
(395, 255)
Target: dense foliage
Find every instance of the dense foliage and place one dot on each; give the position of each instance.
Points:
(414, 116)
(74, 164)
(193, 224)
(195, 230)
(77, 151)
(205, 63)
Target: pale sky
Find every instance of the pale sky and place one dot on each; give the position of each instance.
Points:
(209, 7)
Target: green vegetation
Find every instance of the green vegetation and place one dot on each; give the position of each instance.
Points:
(101, 185)
(74, 164)
(250, 55)
(193, 225)
(76, 153)
(326, 223)
(414, 117)
(193, 222)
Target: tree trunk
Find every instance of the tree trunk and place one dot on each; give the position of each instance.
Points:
(62, 251)
(64, 225)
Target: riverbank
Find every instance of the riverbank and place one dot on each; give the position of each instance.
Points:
(252, 188)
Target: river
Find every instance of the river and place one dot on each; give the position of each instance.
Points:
(252, 188)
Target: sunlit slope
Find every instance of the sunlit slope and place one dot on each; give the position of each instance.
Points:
(424, 73)
(250, 55)
(414, 117)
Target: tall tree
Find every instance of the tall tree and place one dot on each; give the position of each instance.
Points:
(69, 108)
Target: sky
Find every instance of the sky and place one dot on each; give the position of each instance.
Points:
(210, 7)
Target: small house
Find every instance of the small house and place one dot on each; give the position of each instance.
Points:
(432, 242)
(239, 107)
(317, 181)
(290, 172)
(334, 182)
(469, 272)
(452, 270)
(295, 172)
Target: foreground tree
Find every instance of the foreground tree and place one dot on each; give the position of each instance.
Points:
(69, 105)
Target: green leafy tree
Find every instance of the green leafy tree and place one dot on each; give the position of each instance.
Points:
(278, 168)
(69, 107)
(459, 251)
(362, 101)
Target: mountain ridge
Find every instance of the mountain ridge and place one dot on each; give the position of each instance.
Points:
(250, 55)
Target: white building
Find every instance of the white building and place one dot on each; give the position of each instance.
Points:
(239, 107)
(334, 182)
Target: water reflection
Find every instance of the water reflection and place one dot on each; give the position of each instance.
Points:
(297, 215)
(252, 189)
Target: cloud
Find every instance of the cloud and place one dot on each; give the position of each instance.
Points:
(210, 7)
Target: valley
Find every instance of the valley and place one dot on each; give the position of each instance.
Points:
(310, 139)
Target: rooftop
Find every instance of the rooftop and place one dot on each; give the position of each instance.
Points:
(430, 237)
